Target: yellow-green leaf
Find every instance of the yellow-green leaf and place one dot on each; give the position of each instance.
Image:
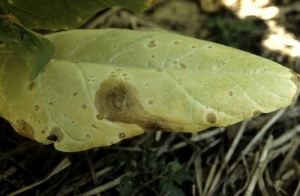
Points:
(107, 85)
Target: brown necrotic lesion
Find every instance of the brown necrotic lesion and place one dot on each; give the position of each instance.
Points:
(116, 101)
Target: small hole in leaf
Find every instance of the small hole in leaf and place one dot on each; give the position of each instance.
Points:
(52, 138)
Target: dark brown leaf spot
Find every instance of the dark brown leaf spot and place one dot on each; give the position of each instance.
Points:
(43, 132)
(116, 101)
(211, 118)
(183, 66)
(36, 107)
(94, 126)
(99, 117)
(83, 106)
(176, 42)
(150, 102)
(87, 136)
(230, 93)
(122, 135)
(31, 86)
(193, 47)
(152, 44)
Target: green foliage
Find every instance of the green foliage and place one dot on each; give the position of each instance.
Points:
(127, 186)
(175, 176)
(229, 31)
(34, 49)
(64, 14)
(4, 7)
(153, 174)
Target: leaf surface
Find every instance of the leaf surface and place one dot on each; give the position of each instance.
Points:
(107, 85)
(34, 49)
(4, 7)
(66, 14)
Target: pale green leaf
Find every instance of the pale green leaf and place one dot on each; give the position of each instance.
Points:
(66, 14)
(34, 49)
(107, 85)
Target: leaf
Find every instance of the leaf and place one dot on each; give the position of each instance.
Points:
(127, 185)
(182, 176)
(174, 167)
(63, 14)
(177, 173)
(172, 189)
(34, 49)
(107, 85)
(4, 7)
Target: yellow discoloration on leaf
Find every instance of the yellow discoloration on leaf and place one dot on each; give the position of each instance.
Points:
(92, 94)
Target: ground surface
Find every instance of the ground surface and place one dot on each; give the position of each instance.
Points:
(264, 161)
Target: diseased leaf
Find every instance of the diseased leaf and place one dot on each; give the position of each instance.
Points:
(34, 49)
(107, 85)
(63, 14)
